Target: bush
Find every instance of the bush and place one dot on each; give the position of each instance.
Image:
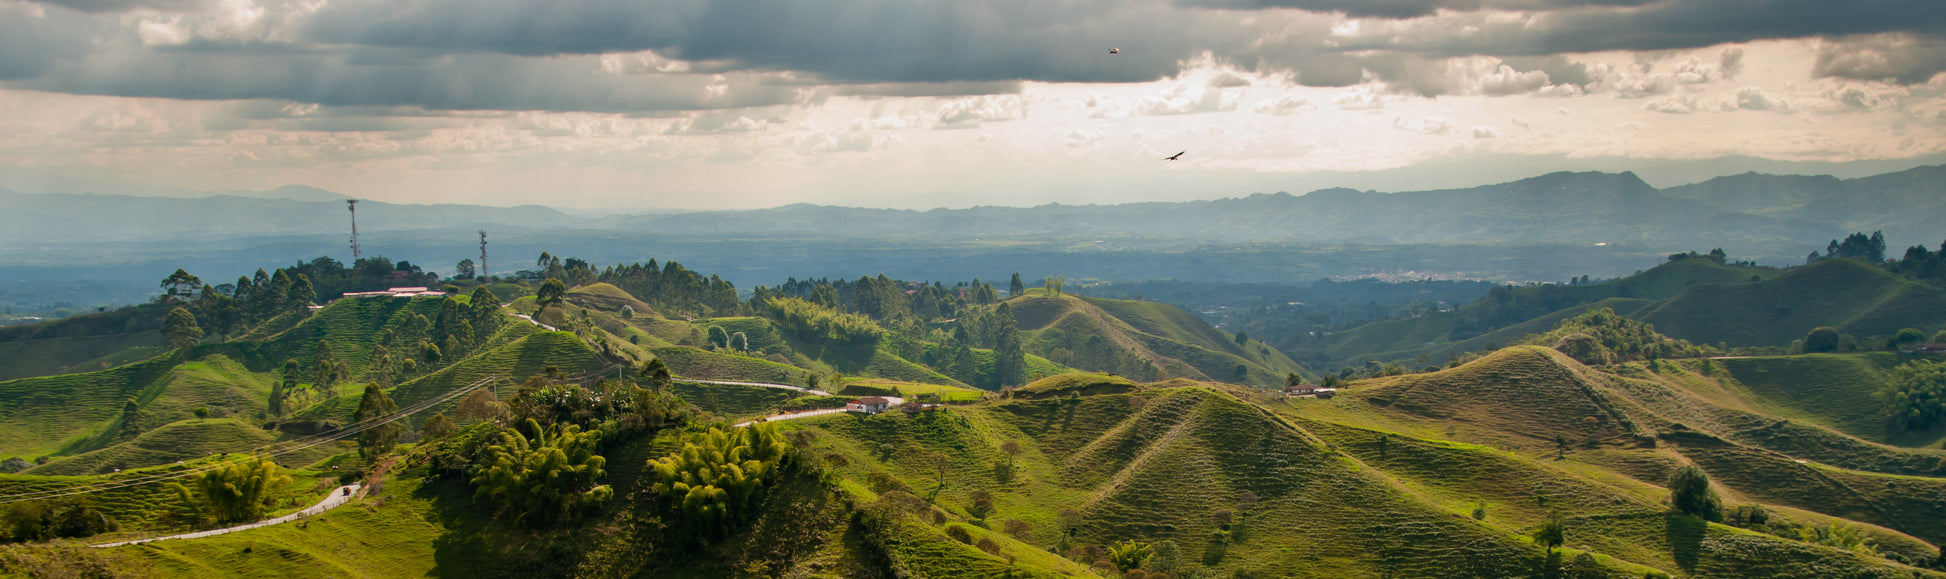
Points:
(987, 544)
(959, 533)
(1583, 348)
(1822, 339)
(549, 477)
(1690, 493)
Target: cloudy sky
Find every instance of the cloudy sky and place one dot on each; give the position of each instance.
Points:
(929, 103)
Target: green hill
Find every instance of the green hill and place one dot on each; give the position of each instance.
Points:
(41, 415)
(1142, 339)
(180, 440)
(1507, 315)
(1690, 299)
(1832, 390)
(1854, 297)
(79, 343)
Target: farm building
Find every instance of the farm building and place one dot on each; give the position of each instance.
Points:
(868, 405)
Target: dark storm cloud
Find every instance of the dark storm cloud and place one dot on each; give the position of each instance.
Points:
(845, 41)
(99, 6)
(454, 82)
(1902, 58)
(1674, 25)
(30, 46)
(1404, 8)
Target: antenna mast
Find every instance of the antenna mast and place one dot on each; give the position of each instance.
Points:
(483, 264)
(353, 205)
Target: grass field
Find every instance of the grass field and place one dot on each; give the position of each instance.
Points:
(1854, 297)
(1832, 390)
(1142, 339)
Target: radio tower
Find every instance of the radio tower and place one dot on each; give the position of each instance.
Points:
(353, 205)
(483, 265)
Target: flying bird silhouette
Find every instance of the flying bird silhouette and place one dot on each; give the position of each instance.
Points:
(1177, 156)
(1114, 51)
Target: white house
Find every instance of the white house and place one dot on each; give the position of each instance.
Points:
(868, 405)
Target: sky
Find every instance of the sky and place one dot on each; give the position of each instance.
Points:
(709, 104)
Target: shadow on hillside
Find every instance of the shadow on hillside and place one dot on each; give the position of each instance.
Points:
(1686, 539)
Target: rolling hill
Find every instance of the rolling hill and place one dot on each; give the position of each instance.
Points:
(1691, 299)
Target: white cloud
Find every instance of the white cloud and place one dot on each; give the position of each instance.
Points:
(972, 112)
(1486, 133)
(1674, 104)
(1285, 105)
(1178, 100)
(1505, 81)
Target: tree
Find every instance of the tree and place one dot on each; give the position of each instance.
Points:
(1012, 449)
(236, 493)
(179, 287)
(739, 342)
(1907, 337)
(437, 427)
(1822, 339)
(714, 481)
(302, 294)
(1010, 361)
(1015, 287)
(1552, 532)
(326, 369)
(1939, 337)
(979, 503)
(464, 269)
(282, 390)
(1690, 494)
(480, 405)
(1242, 338)
(1915, 396)
(719, 337)
(551, 477)
(656, 375)
(375, 405)
(552, 293)
(131, 417)
(179, 329)
(1054, 284)
(1130, 555)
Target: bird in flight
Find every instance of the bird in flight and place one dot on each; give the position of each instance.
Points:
(1114, 51)
(1175, 157)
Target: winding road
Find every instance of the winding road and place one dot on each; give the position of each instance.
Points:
(338, 497)
(809, 413)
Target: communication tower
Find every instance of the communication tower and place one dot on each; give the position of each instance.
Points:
(353, 205)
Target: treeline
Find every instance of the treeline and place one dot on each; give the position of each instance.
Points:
(884, 299)
(1600, 337)
(671, 288)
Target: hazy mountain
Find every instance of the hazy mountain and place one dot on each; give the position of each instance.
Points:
(34, 219)
(1555, 208)
(1907, 204)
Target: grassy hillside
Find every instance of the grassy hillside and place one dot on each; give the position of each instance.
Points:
(1506, 317)
(41, 415)
(79, 343)
(1854, 297)
(46, 357)
(180, 440)
(1831, 390)
(1142, 339)
(526, 357)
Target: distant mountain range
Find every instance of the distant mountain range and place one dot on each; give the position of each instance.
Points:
(1753, 214)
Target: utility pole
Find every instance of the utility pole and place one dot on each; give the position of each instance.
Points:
(352, 204)
(483, 266)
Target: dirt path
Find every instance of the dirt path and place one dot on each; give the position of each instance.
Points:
(338, 497)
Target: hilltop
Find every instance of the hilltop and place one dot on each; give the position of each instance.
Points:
(1691, 299)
